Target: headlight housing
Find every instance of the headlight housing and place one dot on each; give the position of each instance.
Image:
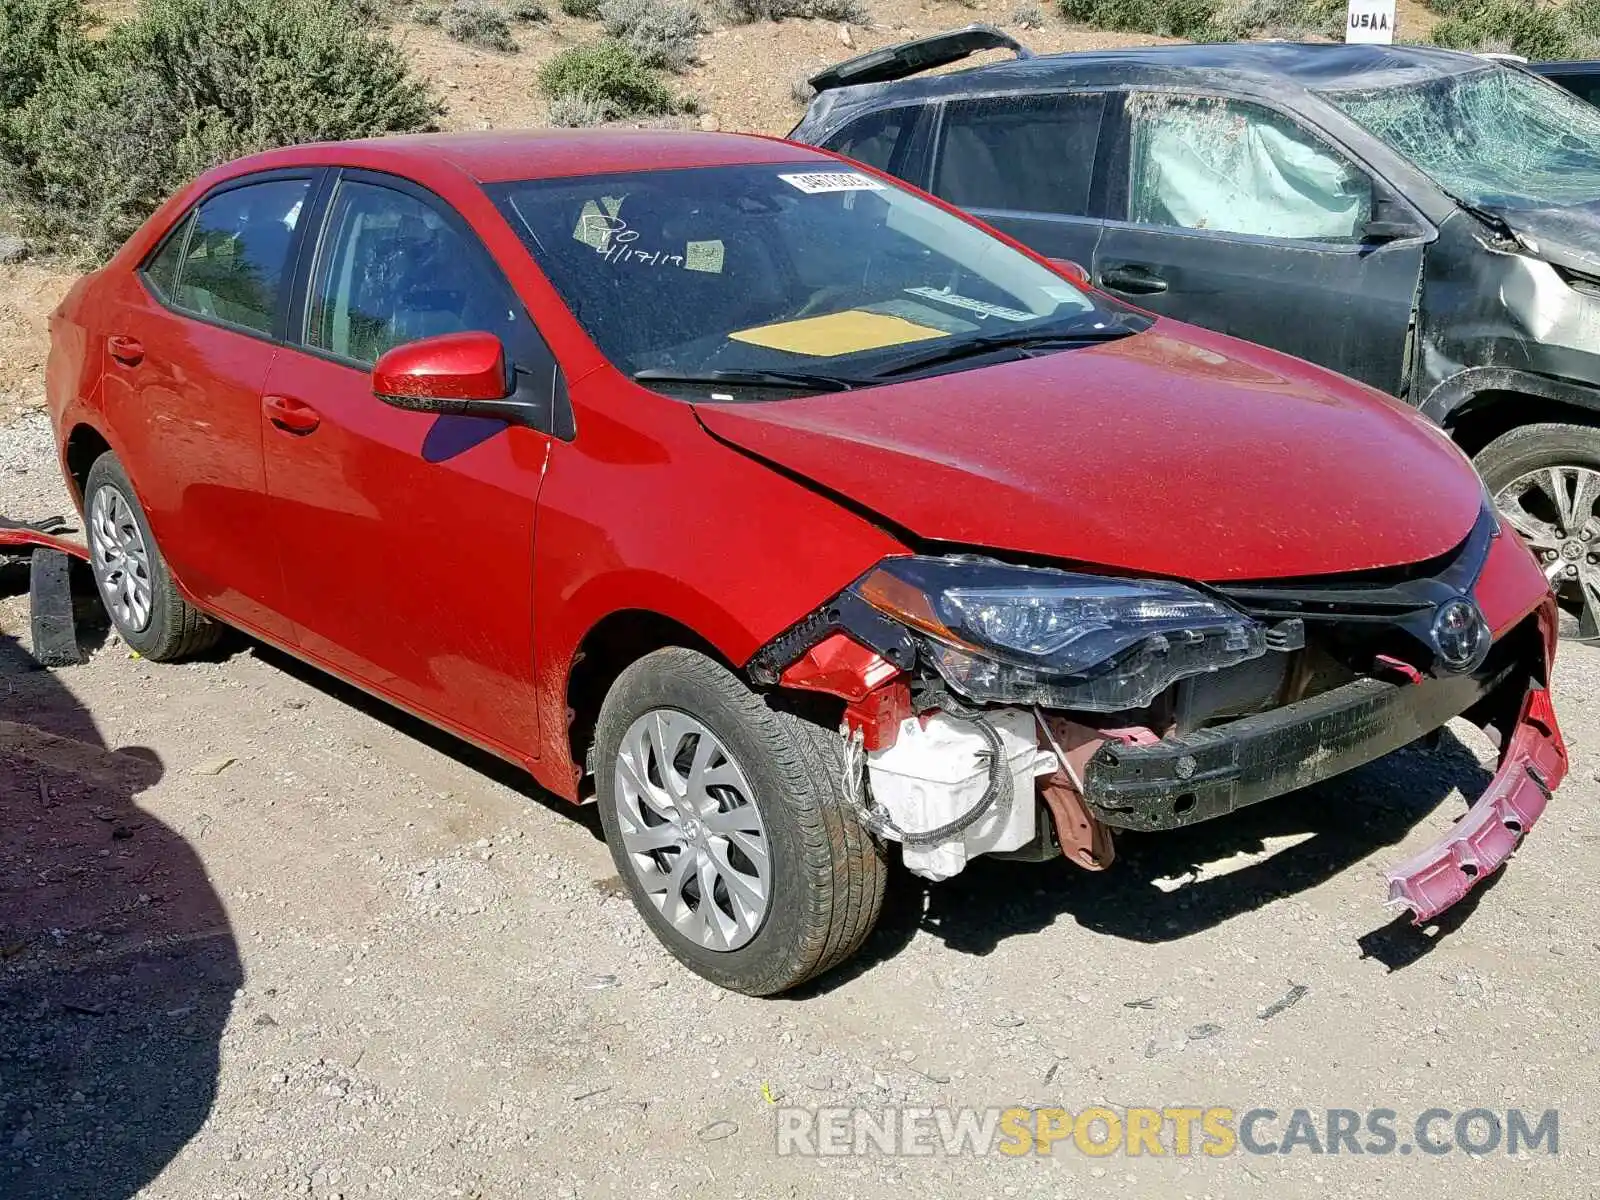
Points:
(999, 633)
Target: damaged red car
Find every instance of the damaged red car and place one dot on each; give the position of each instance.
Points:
(794, 517)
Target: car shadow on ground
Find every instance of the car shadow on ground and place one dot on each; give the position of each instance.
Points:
(1169, 886)
(118, 967)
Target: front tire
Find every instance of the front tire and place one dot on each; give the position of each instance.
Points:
(1545, 479)
(134, 583)
(728, 824)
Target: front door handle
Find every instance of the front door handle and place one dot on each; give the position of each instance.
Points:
(1132, 279)
(129, 351)
(291, 415)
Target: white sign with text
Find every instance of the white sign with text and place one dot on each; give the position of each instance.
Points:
(1370, 21)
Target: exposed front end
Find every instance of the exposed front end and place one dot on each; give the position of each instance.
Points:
(1002, 709)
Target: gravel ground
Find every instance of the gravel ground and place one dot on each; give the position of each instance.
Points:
(260, 936)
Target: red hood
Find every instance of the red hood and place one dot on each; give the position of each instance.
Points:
(1174, 452)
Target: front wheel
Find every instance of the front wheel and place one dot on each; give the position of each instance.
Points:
(1545, 480)
(728, 824)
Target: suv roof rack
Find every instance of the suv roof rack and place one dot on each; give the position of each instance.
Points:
(911, 58)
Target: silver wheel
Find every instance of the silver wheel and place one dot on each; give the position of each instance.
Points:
(120, 558)
(691, 831)
(1553, 509)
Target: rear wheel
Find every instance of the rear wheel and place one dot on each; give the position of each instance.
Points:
(1545, 479)
(138, 590)
(728, 825)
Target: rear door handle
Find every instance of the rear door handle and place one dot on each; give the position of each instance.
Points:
(290, 415)
(128, 351)
(1132, 279)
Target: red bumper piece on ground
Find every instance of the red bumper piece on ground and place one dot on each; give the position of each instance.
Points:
(1534, 763)
(47, 534)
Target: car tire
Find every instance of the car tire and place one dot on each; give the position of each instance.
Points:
(1517, 464)
(132, 577)
(824, 872)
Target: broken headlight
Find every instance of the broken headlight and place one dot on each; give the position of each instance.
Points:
(1026, 635)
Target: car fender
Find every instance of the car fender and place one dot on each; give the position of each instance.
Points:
(647, 512)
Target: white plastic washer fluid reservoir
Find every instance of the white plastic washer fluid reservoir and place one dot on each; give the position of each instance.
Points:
(936, 773)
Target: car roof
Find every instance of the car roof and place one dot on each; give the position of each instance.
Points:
(501, 156)
(1263, 66)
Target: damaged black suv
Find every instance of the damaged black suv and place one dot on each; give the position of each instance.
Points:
(1425, 221)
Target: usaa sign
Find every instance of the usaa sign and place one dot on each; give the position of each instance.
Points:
(1370, 21)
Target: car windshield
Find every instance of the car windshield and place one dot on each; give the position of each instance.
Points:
(794, 272)
(1496, 139)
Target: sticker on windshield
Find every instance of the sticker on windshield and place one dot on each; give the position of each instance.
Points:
(813, 183)
(982, 307)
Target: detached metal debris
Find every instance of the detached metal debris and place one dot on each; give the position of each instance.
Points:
(55, 638)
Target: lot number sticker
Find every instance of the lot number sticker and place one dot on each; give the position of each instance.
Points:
(814, 182)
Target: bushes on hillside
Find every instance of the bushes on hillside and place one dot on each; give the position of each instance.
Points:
(1532, 28)
(34, 37)
(661, 32)
(610, 77)
(116, 125)
(850, 12)
(480, 23)
(1211, 20)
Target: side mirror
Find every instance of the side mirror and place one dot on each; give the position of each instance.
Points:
(461, 374)
(1390, 223)
(1072, 270)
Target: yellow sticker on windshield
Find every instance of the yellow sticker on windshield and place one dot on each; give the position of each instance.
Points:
(838, 333)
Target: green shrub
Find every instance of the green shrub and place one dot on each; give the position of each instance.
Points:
(608, 74)
(527, 11)
(661, 32)
(1168, 18)
(428, 14)
(587, 9)
(480, 23)
(35, 37)
(1212, 20)
(187, 84)
(1531, 28)
(849, 12)
(577, 112)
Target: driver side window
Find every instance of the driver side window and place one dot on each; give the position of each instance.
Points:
(392, 270)
(1229, 166)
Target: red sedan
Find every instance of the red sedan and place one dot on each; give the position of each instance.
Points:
(784, 510)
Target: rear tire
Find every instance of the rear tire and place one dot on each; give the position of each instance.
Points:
(1546, 480)
(770, 775)
(134, 583)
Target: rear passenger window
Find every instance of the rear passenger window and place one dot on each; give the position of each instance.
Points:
(1020, 153)
(229, 265)
(873, 138)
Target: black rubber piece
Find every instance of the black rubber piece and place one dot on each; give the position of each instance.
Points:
(55, 637)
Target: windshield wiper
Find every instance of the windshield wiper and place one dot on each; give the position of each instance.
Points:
(754, 378)
(988, 343)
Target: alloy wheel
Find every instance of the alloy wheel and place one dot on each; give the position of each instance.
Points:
(120, 558)
(1553, 508)
(691, 831)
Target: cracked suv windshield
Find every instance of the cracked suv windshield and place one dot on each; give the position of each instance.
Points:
(789, 278)
(1495, 139)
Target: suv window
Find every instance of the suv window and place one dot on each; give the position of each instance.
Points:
(1234, 167)
(391, 269)
(228, 264)
(1020, 153)
(872, 139)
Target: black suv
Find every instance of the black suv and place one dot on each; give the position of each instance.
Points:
(1422, 220)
